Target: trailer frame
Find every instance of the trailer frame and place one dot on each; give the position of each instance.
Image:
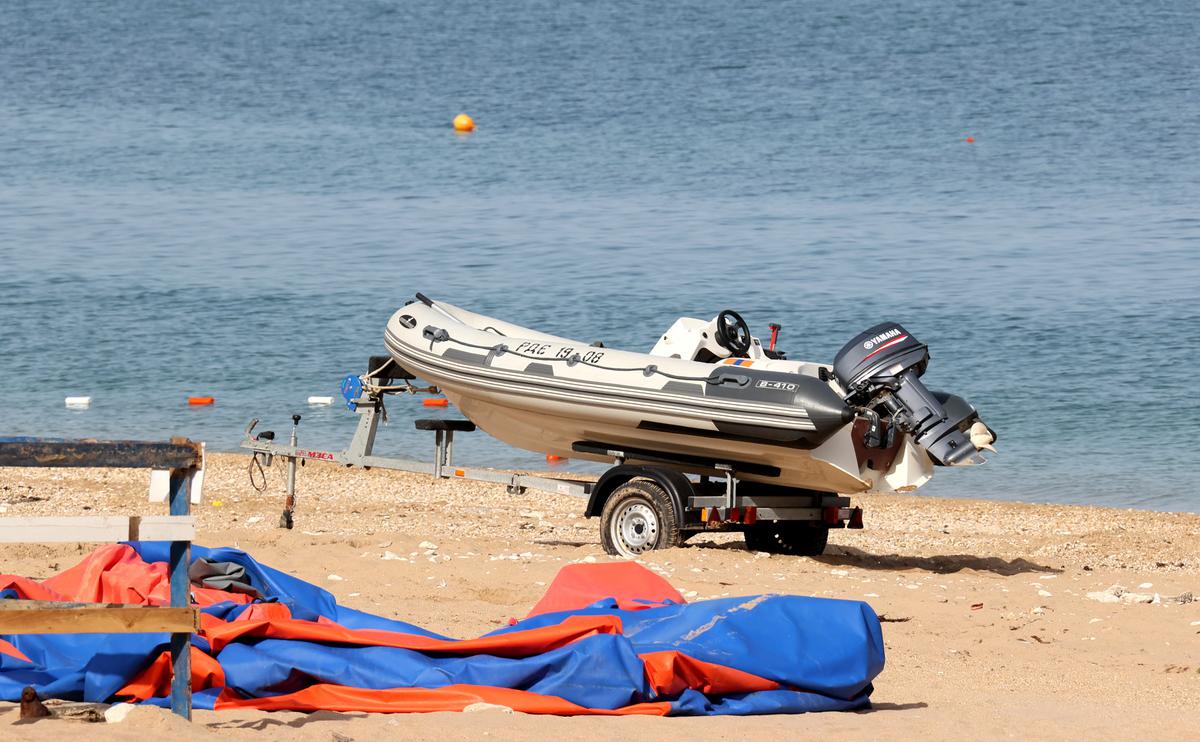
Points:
(719, 500)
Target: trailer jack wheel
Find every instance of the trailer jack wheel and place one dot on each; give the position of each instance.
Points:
(788, 537)
(638, 517)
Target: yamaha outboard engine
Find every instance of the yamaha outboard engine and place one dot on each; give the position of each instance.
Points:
(881, 372)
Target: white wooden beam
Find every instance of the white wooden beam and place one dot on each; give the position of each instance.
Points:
(96, 528)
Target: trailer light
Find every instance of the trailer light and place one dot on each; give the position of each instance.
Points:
(735, 514)
(703, 515)
(856, 518)
(751, 516)
(832, 515)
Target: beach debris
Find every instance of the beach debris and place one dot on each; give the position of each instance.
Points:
(320, 401)
(428, 545)
(1118, 594)
(79, 403)
(977, 606)
(116, 713)
(253, 519)
(1038, 610)
(32, 706)
(339, 737)
(391, 556)
(1045, 593)
(1145, 585)
(335, 578)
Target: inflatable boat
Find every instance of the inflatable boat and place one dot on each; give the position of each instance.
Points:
(709, 398)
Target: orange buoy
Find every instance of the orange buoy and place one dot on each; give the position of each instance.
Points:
(464, 123)
(200, 400)
(970, 140)
(436, 402)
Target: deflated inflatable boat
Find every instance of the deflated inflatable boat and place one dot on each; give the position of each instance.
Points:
(707, 399)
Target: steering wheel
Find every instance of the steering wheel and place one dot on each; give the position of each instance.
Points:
(733, 334)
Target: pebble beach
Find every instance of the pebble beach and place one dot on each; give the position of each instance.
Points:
(1000, 619)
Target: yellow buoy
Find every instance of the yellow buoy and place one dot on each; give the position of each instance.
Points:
(463, 122)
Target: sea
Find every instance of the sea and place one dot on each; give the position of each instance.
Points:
(229, 199)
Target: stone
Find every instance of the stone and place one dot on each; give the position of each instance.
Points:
(116, 713)
(479, 706)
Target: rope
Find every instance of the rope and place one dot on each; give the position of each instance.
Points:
(261, 473)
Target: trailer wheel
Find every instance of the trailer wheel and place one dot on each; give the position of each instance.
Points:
(638, 517)
(788, 537)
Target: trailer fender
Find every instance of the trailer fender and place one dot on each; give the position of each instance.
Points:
(676, 484)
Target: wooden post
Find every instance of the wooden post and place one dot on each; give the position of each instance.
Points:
(180, 560)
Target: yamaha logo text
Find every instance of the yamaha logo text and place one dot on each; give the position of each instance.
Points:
(880, 338)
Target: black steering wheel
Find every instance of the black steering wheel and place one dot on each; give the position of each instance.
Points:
(733, 334)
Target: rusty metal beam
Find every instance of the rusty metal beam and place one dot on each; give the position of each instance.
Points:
(179, 453)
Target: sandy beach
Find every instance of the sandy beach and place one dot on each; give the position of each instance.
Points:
(989, 629)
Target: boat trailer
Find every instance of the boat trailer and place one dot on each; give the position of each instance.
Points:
(644, 500)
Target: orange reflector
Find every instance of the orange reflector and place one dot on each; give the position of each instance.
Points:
(200, 400)
(751, 516)
(436, 402)
(735, 514)
(832, 515)
(703, 515)
(553, 459)
(459, 473)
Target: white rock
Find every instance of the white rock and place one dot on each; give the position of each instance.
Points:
(1194, 623)
(116, 713)
(391, 556)
(475, 708)
(1146, 585)
(1098, 620)
(252, 520)
(1045, 593)
(426, 545)
(335, 578)
(590, 559)
(1039, 610)
(838, 572)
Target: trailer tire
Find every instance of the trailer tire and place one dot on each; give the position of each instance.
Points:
(638, 516)
(788, 537)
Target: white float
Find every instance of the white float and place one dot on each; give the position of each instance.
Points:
(79, 402)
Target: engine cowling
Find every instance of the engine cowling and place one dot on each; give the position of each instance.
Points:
(881, 369)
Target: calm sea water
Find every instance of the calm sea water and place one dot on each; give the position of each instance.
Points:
(231, 199)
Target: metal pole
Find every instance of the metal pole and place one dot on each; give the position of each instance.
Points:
(180, 559)
(289, 504)
(439, 455)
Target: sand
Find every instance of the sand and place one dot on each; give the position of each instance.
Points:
(989, 629)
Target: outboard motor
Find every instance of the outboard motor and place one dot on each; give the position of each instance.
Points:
(881, 370)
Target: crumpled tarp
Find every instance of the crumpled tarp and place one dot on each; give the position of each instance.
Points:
(594, 645)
